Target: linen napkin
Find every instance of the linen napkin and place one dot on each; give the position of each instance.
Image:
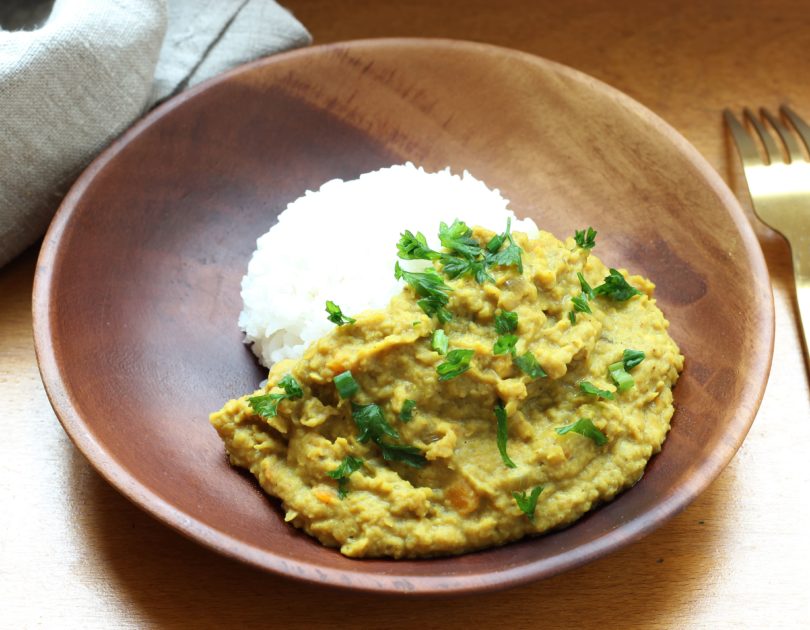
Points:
(71, 85)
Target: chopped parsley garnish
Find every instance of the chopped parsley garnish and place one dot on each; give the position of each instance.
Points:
(584, 427)
(373, 425)
(500, 415)
(406, 411)
(529, 365)
(506, 322)
(412, 247)
(345, 384)
(341, 473)
(267, 405)
(458, 239)
(619, 371)
(572, 317)
(586, 239)
(631, 358)
(528, 503)
(504, 344)
(586, 288)
(590, 388)
(439, 342)
(432, 290)
(511, 256)
(336, 316)
(620, 376)
(580, 303)
(455, 363)
(404, 453)
(616, 287)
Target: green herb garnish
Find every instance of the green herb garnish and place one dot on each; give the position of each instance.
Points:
(345, 384)
(500, 416)
(586, 239)
(590, 388)
(580, 303)
(504, 344)
(616, 287)
(529, 365)
(620, 376)
(404, 453)
(506, 322)
(267, 405)
(429, 286)
(439, 342)
(373, 425)
(528, 503)
(341, 473)
(586, 288)
(458, 239)
(412, 247)
(631, 358)
(406, 412)
(572, 317)
(456, 363)
(336, 316)
(511, 256)
(584, 427)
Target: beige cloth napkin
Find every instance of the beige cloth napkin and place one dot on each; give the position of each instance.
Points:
(70, 86)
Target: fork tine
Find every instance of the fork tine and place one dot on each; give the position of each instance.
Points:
(745, 145)
(772, 150)
(801, 127)
(793, 149)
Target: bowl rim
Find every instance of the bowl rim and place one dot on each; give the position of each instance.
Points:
(108, 467)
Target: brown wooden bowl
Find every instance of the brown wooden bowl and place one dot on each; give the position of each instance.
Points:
(137, 289)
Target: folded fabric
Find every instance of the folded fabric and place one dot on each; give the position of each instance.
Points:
(71, 86)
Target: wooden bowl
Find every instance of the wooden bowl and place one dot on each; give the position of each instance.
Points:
(137, 288)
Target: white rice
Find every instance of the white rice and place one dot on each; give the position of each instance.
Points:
(339, 244)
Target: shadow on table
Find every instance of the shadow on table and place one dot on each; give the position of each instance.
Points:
(165, 579)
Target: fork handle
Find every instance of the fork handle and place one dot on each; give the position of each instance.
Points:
(800, 248)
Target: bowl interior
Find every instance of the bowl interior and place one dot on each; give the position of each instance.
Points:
(137, 292)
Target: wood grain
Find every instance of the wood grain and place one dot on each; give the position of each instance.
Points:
(76, 554)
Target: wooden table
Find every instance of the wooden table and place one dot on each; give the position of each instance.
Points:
(74, 553)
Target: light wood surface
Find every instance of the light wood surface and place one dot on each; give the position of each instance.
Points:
(74, 553)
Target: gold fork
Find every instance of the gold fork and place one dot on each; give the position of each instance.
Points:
(780, 189)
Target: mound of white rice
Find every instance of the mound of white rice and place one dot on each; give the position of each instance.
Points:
(339, 244)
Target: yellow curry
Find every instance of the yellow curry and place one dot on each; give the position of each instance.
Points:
(536, 388)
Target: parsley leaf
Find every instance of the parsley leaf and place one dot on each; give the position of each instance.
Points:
(372, 423)
(429, 286)
(506, 322)
(572, 316)
(615, 286)
(529, 365)
(412, 247)
(511, 256)
(439, 342)
(586, 288)
(500, 416)
(586, 428)
(631, 358)
(267, 405)
(580, 303)
(458, 238)
(341, 473)
(504, 344)
(456, 363)
(622, 379)
(586, 239)
(336, 316)
(406, 412)
(345, 384)
(590, 388)
(404, 453)
(528, 503)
